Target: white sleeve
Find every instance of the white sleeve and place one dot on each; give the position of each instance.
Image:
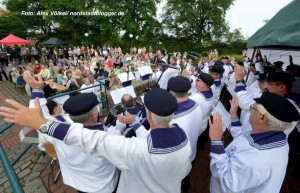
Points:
(156, 75)
(140, 130)
(236, 173)
(245, 101)
(43, 101)
(120, 151)
(236, 128)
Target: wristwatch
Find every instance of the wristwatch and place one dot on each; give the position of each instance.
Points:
(45, 127)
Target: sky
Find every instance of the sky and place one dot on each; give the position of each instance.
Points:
(249, 14)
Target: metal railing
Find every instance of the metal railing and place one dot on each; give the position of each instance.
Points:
(8, 167)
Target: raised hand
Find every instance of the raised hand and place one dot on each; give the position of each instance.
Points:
(234, 104)
(186, 74)
(30, 80)
(128, 119)
(239, 73)
(216, 127)
(24, 116)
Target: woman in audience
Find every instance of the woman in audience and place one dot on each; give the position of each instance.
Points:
(59, 76)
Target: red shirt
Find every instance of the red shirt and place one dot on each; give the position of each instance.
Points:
(109, 63)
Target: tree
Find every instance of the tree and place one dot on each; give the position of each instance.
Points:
(197, 21)
(10, 24)
(139, 19)
(31, 23)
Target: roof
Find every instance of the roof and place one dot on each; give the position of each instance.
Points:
(282, 31)
(12, 40)
(54, 41)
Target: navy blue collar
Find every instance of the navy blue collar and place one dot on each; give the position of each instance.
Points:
(60, 118)
(266, 140)
(175, 64)
(184, 106)
(95, 127)
(267, 137)
(218, 82)
(167, 140)
(133, 111)
(207, 94)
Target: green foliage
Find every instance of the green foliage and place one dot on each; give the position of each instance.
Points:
(196, 25)
(198, 21)
(10, 24)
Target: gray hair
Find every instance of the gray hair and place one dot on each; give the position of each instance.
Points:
(82, 118)
(180, 94)
(159, 120)
(274, 123)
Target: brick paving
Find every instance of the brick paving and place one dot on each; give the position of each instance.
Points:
(33, 169)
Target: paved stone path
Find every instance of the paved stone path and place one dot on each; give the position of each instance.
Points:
(33, 169)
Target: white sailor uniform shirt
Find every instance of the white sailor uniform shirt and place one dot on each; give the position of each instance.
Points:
(227, 70)
(251, 163)
(169, 73)
(188, 116)
(204, 100)
(216, 88)
(157, 163)
(246, 99)
(135, 112)
(79, 169)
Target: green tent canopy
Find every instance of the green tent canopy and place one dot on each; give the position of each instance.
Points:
(282, 31)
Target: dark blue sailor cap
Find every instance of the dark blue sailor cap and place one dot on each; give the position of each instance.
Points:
(160, 102)
(206, 78)
(80, 104)
(279, 107)
(262, 77)
(218, 68)
(280, 77)
(269, 69)
(278, 63)
(179, 84)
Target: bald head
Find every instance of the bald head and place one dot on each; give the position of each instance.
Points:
(127, 101)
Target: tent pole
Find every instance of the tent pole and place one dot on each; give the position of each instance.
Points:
(250, 64)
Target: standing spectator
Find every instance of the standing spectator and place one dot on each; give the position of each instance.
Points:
(34, 54)
(10, 70)
(24, 54)
(28, 55)
(60, 53)
(66, 53)
(2, 71)
(44, 54)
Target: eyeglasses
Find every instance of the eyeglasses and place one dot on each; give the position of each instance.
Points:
(252, 107)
